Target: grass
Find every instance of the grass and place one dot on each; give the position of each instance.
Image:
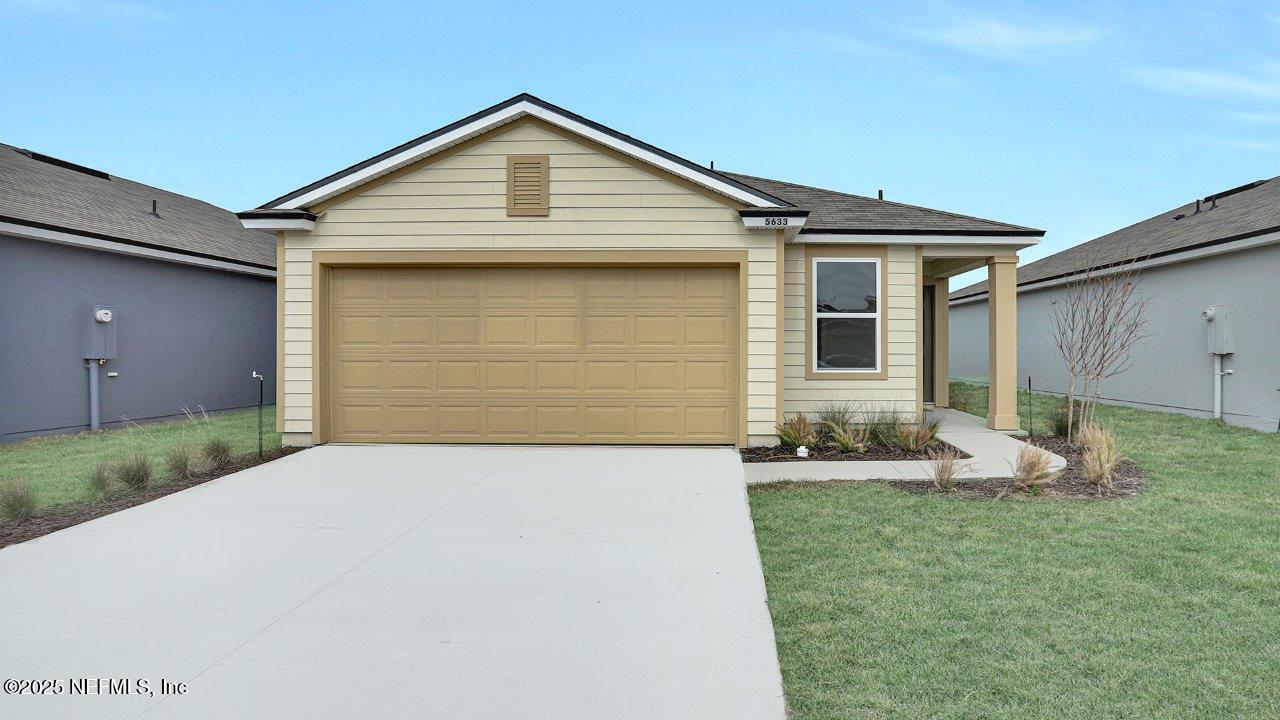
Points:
(59, 468)
(889, 604)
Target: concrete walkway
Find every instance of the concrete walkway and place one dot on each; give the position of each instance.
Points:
(993, 456)
(410, 582)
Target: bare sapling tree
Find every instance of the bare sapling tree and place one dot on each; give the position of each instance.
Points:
(1095, 326)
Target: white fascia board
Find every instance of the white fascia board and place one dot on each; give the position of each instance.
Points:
(1011, 241)
(278, 224)
(66, 238)
(1185, 256)
(502, 117)
(773, 222)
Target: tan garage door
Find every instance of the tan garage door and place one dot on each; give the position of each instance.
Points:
(542, 355)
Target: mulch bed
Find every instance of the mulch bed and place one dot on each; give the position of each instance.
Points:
(1070, 483)
(875, 451)
(64, 516)
(1127, 482)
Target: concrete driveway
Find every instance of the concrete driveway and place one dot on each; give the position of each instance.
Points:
(398, 582)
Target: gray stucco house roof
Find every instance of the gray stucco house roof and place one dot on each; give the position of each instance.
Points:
(1236, 214)
(45, 193)
(837, 212)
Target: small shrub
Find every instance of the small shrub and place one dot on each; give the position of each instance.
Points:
(17, 502)
(946, 467)
(1056, 421)
(218, 452)
(100, 480)
(1100, 453)
(181, 462)
(832, 415)
(847, 437)
(882, 426)
(916, 436)
(796, 432)
(135, 472)
(1031, 470)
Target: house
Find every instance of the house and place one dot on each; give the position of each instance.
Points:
(1220, 252)
(161, 301)
(527, 275)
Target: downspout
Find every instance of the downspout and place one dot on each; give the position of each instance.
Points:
(1218, 374)
(1217, 386)
(94, 423)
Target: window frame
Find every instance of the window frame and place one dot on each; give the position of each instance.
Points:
(813, 371)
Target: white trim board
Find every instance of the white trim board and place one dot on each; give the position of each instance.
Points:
(66, 238)
(501, 117)
(278, 224)
(821, 238)
(1184, 256)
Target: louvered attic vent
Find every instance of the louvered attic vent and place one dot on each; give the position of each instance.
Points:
(528, 178)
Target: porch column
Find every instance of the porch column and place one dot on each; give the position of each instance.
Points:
(1002, 354)
(941, 346)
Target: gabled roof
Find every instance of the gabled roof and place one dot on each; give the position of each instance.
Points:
(837, 212)
(48, 194)
(1236, 214)
(522, 105)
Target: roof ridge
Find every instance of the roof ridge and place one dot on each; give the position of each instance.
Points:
(894, 203)
(111, 177)
(1132, 241)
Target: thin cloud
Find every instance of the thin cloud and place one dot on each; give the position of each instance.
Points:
(118, 10)
(1258, 118)
(1246, 144)
(847, 45)
(1000, 39)
(1202, 83)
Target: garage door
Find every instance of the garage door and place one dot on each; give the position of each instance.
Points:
(539, 355)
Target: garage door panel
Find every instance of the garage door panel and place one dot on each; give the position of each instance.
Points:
(534, 355)
(410, 330)
(408, 375)
(458, 375)
(410, 420)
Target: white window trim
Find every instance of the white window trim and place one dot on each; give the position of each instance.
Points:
(877, 315)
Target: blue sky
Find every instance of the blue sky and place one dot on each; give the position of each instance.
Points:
(1077, 118)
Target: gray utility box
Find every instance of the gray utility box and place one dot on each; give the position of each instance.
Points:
(1222, 329)
(100, 332)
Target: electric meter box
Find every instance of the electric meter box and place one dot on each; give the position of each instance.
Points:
(101, 322)
(1222, 329)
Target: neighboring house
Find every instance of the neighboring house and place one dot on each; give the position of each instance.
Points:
(1223, 250)
(192, 294)
(527, 275)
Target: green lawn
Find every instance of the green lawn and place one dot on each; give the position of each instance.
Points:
(888, 604)
(57, 467)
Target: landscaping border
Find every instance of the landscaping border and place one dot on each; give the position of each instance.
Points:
(65, 516)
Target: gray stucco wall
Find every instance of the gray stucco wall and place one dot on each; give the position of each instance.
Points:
(1172, 368)
(188, 337)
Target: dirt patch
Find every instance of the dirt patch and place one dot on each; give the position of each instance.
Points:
(64, 516)
(1128, 480)
(1070, 483)
(875, 451)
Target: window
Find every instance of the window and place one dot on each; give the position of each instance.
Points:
(846, 314)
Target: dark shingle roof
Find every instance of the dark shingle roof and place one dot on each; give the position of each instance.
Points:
(1242, 212)
(831, 211)
(51, 194)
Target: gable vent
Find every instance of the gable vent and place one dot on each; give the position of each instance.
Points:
(528, 180)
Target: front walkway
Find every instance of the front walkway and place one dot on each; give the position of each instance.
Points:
(410, 582)
(993, 456)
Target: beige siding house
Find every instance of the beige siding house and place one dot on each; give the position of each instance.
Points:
(526, 275)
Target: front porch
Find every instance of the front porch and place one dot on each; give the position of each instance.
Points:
(938, 264)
